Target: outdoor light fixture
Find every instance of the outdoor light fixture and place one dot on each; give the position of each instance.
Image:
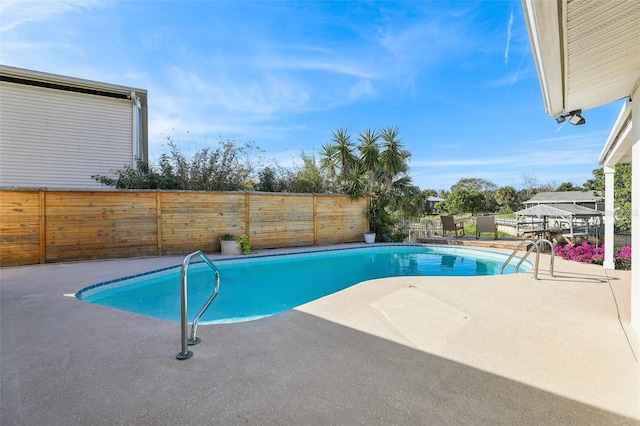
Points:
(576, 118)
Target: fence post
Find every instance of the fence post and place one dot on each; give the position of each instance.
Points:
(42, 234)
(315, 219)
(247, 215)
(159, 247)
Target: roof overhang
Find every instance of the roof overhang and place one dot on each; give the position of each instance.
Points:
(26, 76)
(586, 51)
(617, 149)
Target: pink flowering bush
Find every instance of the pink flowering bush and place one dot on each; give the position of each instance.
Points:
(622, 257)
(584, 253)
(587, 253)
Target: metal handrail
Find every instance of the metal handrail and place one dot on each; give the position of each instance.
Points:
(553, 255)
(534, 245)
(536, 263)
(185, 353)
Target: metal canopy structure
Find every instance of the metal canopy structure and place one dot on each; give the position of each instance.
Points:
(584, 198)
(571, 220)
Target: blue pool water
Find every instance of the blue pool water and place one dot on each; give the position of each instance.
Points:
(252, 288)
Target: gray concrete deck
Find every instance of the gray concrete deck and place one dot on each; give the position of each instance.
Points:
(426, 350)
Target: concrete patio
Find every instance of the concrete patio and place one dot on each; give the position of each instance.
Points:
(414, 350)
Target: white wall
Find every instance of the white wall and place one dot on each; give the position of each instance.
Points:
(59, 139)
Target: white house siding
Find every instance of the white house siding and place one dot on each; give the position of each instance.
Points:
(59, 139)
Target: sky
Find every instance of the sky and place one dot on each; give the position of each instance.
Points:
(456, 77)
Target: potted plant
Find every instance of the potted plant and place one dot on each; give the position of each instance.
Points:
(370, 236)
(245, 244)
(229, 245)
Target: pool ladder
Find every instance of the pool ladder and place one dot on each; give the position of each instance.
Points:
(193, 340)
(534, 245)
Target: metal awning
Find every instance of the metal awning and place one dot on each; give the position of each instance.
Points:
(559, 210)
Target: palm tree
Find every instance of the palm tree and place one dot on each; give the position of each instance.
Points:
(355, 184)
(369, 154)
(329, 160)
(344, 151)
(393, 158)
(379, 174)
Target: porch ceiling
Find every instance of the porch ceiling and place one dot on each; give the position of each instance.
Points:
(587, 51)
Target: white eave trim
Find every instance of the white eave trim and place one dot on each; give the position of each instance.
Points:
(620, 131)
(546, 35)
(26, 74)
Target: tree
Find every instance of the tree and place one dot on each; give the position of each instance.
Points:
(508, 198)
(355, 183)
(393, 156)
(568, 186)
(475, 184)
(343, 152)
(268, 180)
(308, 177)
(329, 160)
(549, 186)
(378, 172)
(483, 186)
(622, 192)
(529, 187)
(597, 183)
(463, 200)
(227, 167)
(369, 155)
(143, 176)
(408, 198)
(622, 196)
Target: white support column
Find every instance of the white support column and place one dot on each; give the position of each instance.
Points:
(635, 211)
(609, 217)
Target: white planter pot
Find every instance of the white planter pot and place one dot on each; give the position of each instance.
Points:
(370, 237)
(230, 247)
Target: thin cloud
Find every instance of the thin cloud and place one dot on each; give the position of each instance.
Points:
(314, 64)
(583, 140)
(506, 50)
(550, 158)
(18, 12)
(263, 96)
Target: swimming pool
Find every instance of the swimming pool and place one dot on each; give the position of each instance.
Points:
(252, 288)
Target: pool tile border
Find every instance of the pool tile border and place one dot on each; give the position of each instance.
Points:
(86, 289)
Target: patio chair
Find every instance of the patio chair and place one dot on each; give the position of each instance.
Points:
(486, 224)
(450, 225)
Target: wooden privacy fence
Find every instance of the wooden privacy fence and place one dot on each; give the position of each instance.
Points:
(42, 226)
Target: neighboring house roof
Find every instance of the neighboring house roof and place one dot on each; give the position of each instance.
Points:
(435, 199)
(62, 82)
(564, 197)
(558, 210)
